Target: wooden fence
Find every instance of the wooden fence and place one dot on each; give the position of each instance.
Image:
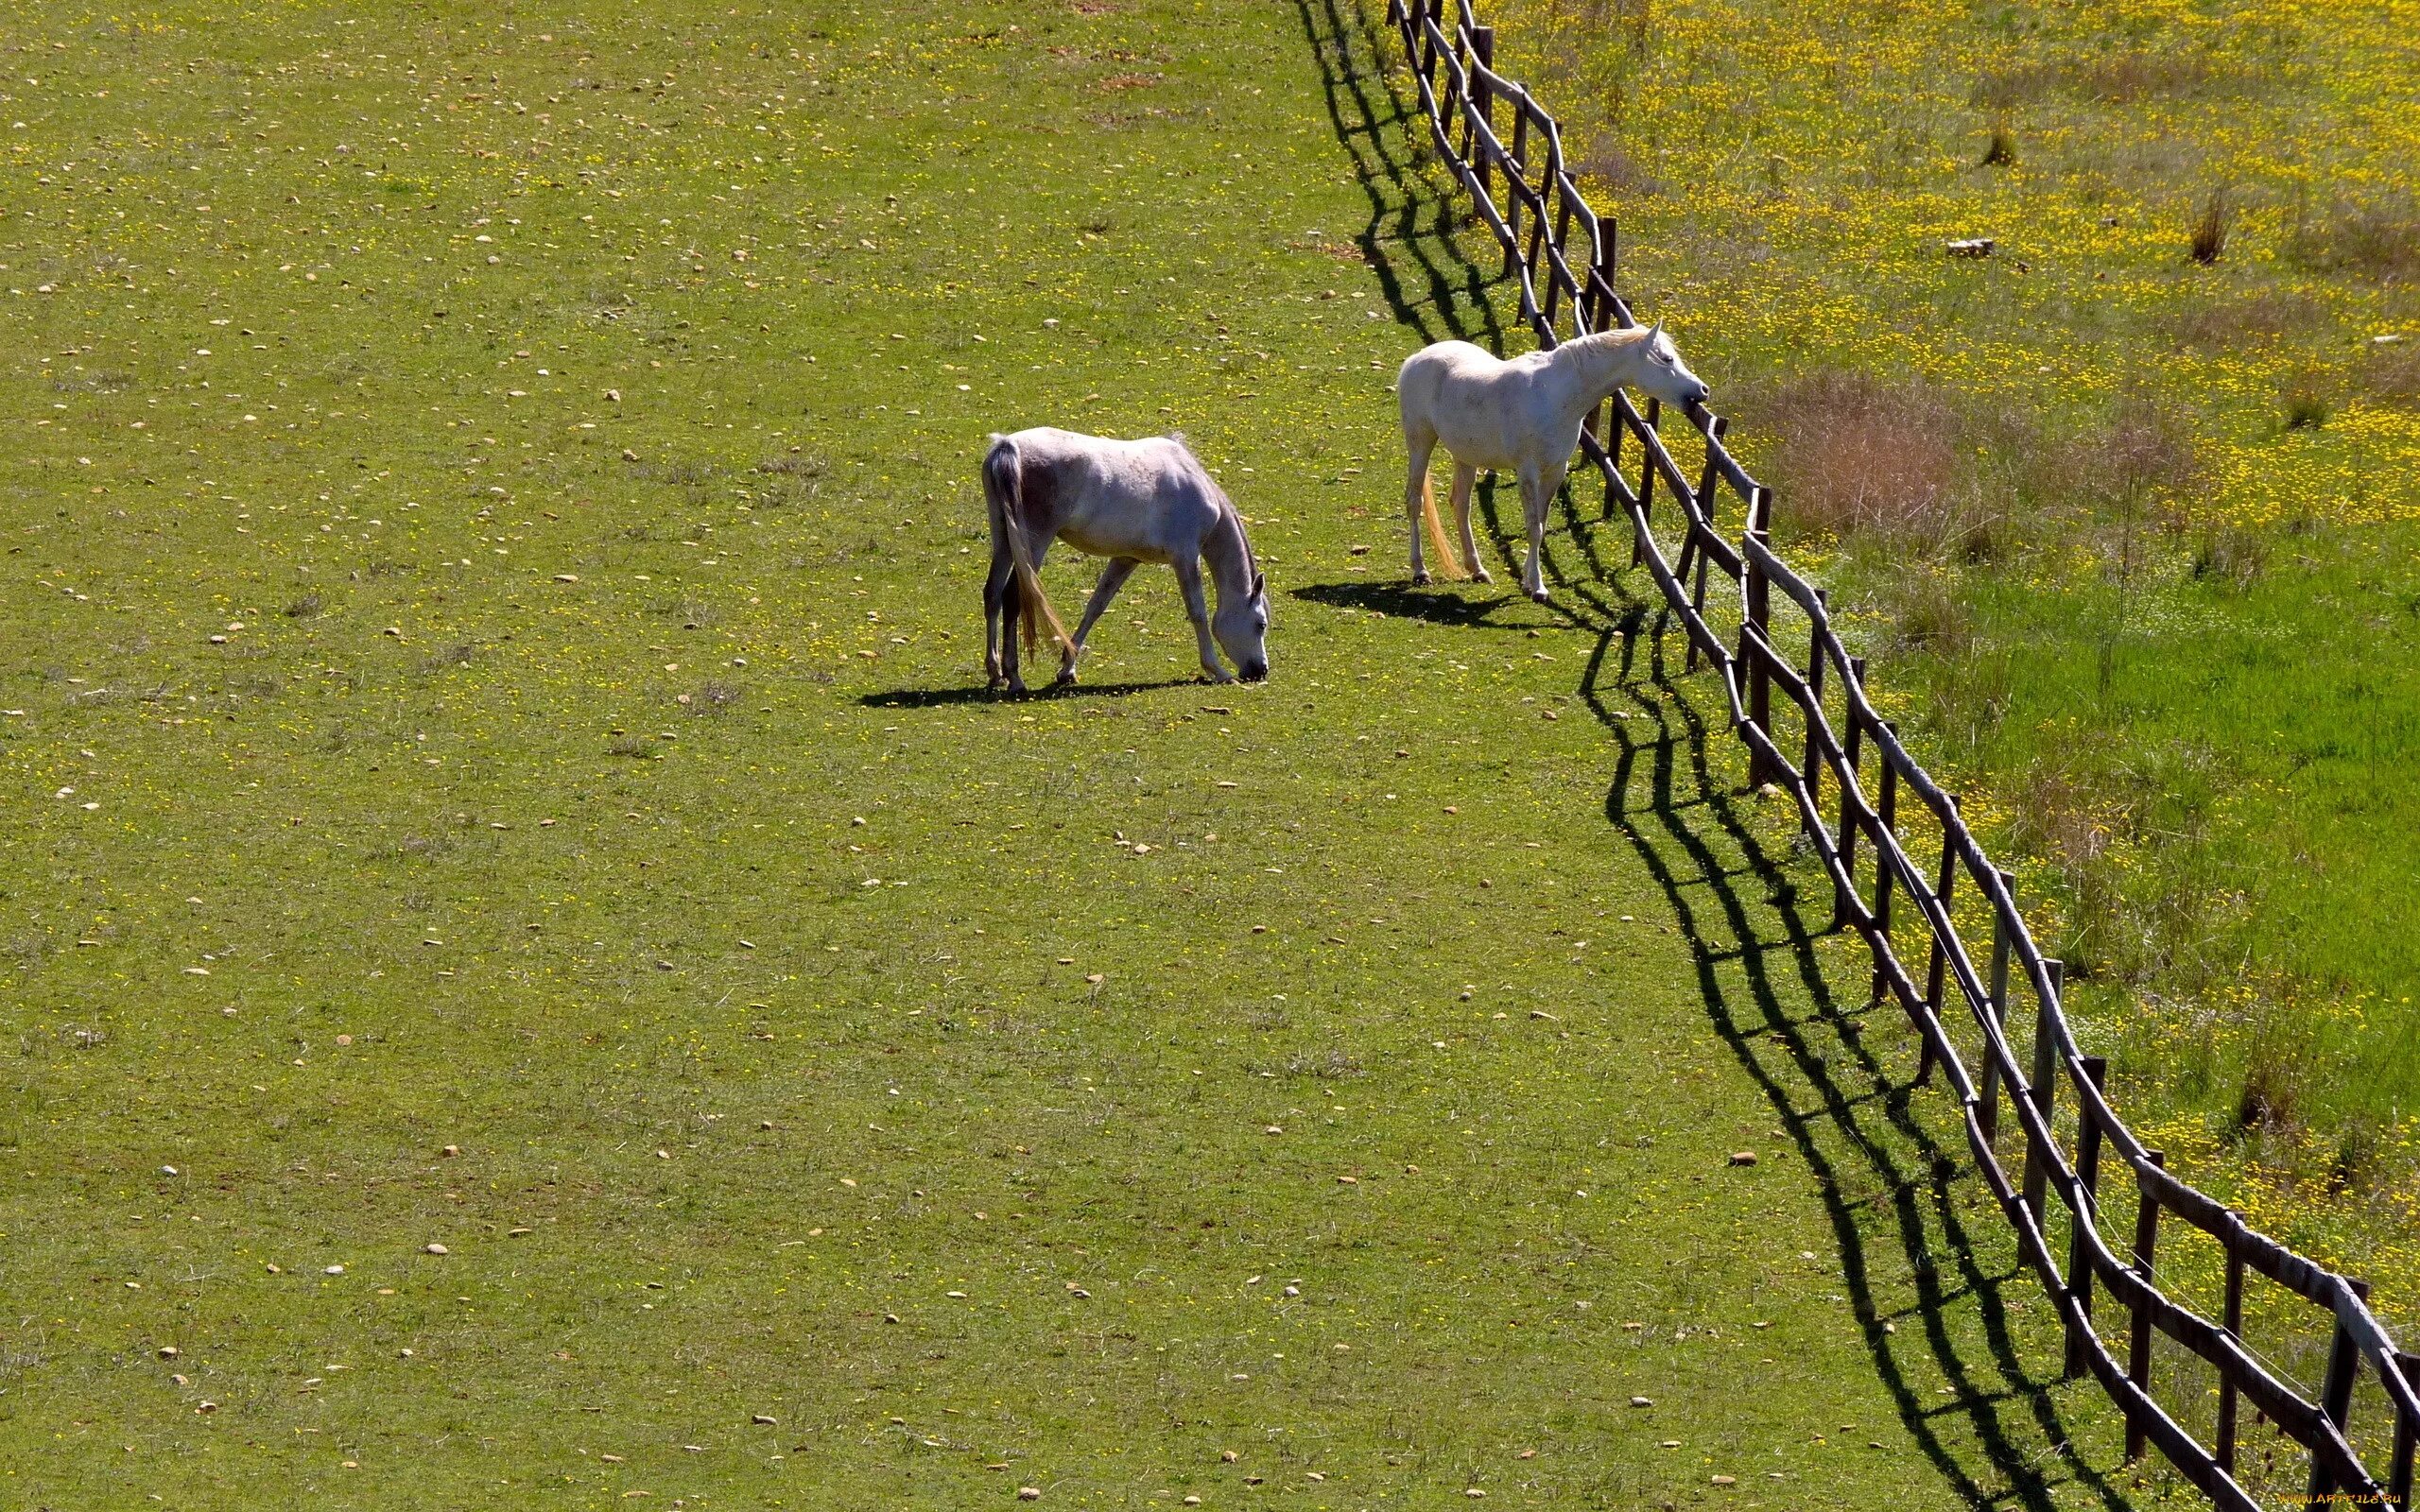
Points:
(1562, 253)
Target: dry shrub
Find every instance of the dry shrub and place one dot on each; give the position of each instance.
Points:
(2209, 238)
(1857, 455)
(2231, 557)
(2147, 451)
(2228, 324)
(2005, 89)
(2392, 372)
(2272, 1096)
(1603, 160)
(1927, 613)
(2144, 452)
(2124, 831)
(2053, 817)
(2130, 77)
(2381, 240)
(1630, 20)
(2308, 399)
(2120, 79)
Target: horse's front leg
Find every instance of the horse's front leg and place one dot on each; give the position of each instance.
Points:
(1197, 607)
(1463, 478)
(1537, 492)
(1113, 577)
(1415, 496)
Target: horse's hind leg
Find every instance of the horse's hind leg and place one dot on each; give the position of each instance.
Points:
(1415, 493)
(1463, 478)
(1113, 577)
(996, 585)
(1011, 622)
(1197, 607)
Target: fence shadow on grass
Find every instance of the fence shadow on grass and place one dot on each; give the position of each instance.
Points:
(1998, 1438)
(1848, 1113)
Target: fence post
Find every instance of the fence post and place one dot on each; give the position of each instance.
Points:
(1517, 171)
(2096, 1070)
(2399, 1473)
(1886, 829)
(1856, 774)
(2336, 1393)
(2139, 1347)
(2232, 1321)
(1760, 687)
(1996, 1008)
(1701, 511)
(1592, 308)
(1424, 12)
(1653, 418)
(1600, 266)
(1942, 891)
(1531, 263)
(1483, 100)
(1813, 766)
(2046, 1088)
(1562, 241)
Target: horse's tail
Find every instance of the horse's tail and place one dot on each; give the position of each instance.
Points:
(1447, 562)
(1004, 490)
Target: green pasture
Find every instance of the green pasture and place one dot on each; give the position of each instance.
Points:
(2129, 535)
(536, 976)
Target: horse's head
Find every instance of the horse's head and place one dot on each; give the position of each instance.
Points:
(1663, 374)
(1241, 625)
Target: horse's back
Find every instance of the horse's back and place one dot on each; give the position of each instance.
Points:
(1434, 378)
(1148, 498)
(1466, 397)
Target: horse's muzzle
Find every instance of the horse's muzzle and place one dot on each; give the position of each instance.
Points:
(1258, 671)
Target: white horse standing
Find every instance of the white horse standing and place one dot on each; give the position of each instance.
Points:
(1521, 417)
(1131, 502)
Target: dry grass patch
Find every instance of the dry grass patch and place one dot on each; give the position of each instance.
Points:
(1857, 455)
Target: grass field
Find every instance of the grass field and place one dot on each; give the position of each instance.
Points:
(2129, 534)
(493, 712)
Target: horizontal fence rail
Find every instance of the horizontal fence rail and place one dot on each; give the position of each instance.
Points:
(1506, 152)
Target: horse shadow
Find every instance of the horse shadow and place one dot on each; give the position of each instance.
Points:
(1404, 601)
(1998, 1437)
(976, 693)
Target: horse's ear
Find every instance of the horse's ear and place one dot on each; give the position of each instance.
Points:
(1259, 585)
(1657, 334)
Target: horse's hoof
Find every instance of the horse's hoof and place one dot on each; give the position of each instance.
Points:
(1017, 687)
(1420, 579)
(1540, 594)
(1482, 574)
(1065, 680)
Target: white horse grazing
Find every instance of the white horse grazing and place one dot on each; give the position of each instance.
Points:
(1131, 502)
(1521, 417)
